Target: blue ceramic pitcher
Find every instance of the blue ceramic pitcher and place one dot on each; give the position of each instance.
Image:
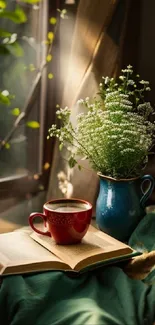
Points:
(121, 204)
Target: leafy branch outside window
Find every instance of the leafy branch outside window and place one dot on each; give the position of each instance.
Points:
(10, 45)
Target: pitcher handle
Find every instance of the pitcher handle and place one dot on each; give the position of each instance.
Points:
(148, 191)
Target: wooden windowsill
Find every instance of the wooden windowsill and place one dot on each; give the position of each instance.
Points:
(6, 226)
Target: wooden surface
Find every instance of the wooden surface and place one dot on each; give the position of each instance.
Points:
(6, 226)
(91, 20)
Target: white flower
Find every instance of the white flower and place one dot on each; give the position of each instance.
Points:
(113, 137)
(121, 77)
(143, 82)
(124, 70)
(130, 82)
(112, 94)
(124, 96)
(130, 132)
(80, 101)
(106, 80)
(127, 150)
(129, 66)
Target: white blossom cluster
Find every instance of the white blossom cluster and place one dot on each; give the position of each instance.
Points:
(126, 84)
(115, 134)
(117, 141)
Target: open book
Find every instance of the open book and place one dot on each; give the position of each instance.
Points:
(23, 252)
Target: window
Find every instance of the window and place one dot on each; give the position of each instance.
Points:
(22, 154)
(23, 178)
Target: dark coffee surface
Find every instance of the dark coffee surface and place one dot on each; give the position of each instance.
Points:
(67, 207)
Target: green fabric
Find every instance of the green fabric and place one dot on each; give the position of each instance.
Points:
(104, 296)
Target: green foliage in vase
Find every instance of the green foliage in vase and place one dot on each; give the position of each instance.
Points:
(115, 134)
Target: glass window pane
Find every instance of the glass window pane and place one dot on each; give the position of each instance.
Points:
(18, 69)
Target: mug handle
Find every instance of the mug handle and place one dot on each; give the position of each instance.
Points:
(149, 190)
(42, 216)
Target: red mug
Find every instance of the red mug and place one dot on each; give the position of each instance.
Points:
(67, 220)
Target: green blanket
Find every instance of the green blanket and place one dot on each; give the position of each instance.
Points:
(103, 296)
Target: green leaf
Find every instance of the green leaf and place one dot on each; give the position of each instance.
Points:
(60, 146)
(2, 4)
(50, 76)
(17, 16)
(4, 50)
(72, 162)
(53, 20)
(63, 13)
(4, 99)
(41, 187)
(32, 67)
(79, 167)
(15, 49)
(48, 57)
(33, 124)
(30, 1)
(4, 33)
(50, 36)
(15, 111)
(7, 145)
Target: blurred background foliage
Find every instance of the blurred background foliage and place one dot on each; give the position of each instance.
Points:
(18, 61)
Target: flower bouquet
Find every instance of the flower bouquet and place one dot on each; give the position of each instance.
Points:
(116, 133)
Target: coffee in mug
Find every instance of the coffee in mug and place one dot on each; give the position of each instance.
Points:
(67, 220)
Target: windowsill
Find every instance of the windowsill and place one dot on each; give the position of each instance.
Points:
(17, 215)
(19, 185)
(6, 226)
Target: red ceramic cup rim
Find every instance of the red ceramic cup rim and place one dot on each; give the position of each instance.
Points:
(72, 200)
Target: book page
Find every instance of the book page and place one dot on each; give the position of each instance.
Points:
(70, 254)
(91, 246)
(17, 248)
